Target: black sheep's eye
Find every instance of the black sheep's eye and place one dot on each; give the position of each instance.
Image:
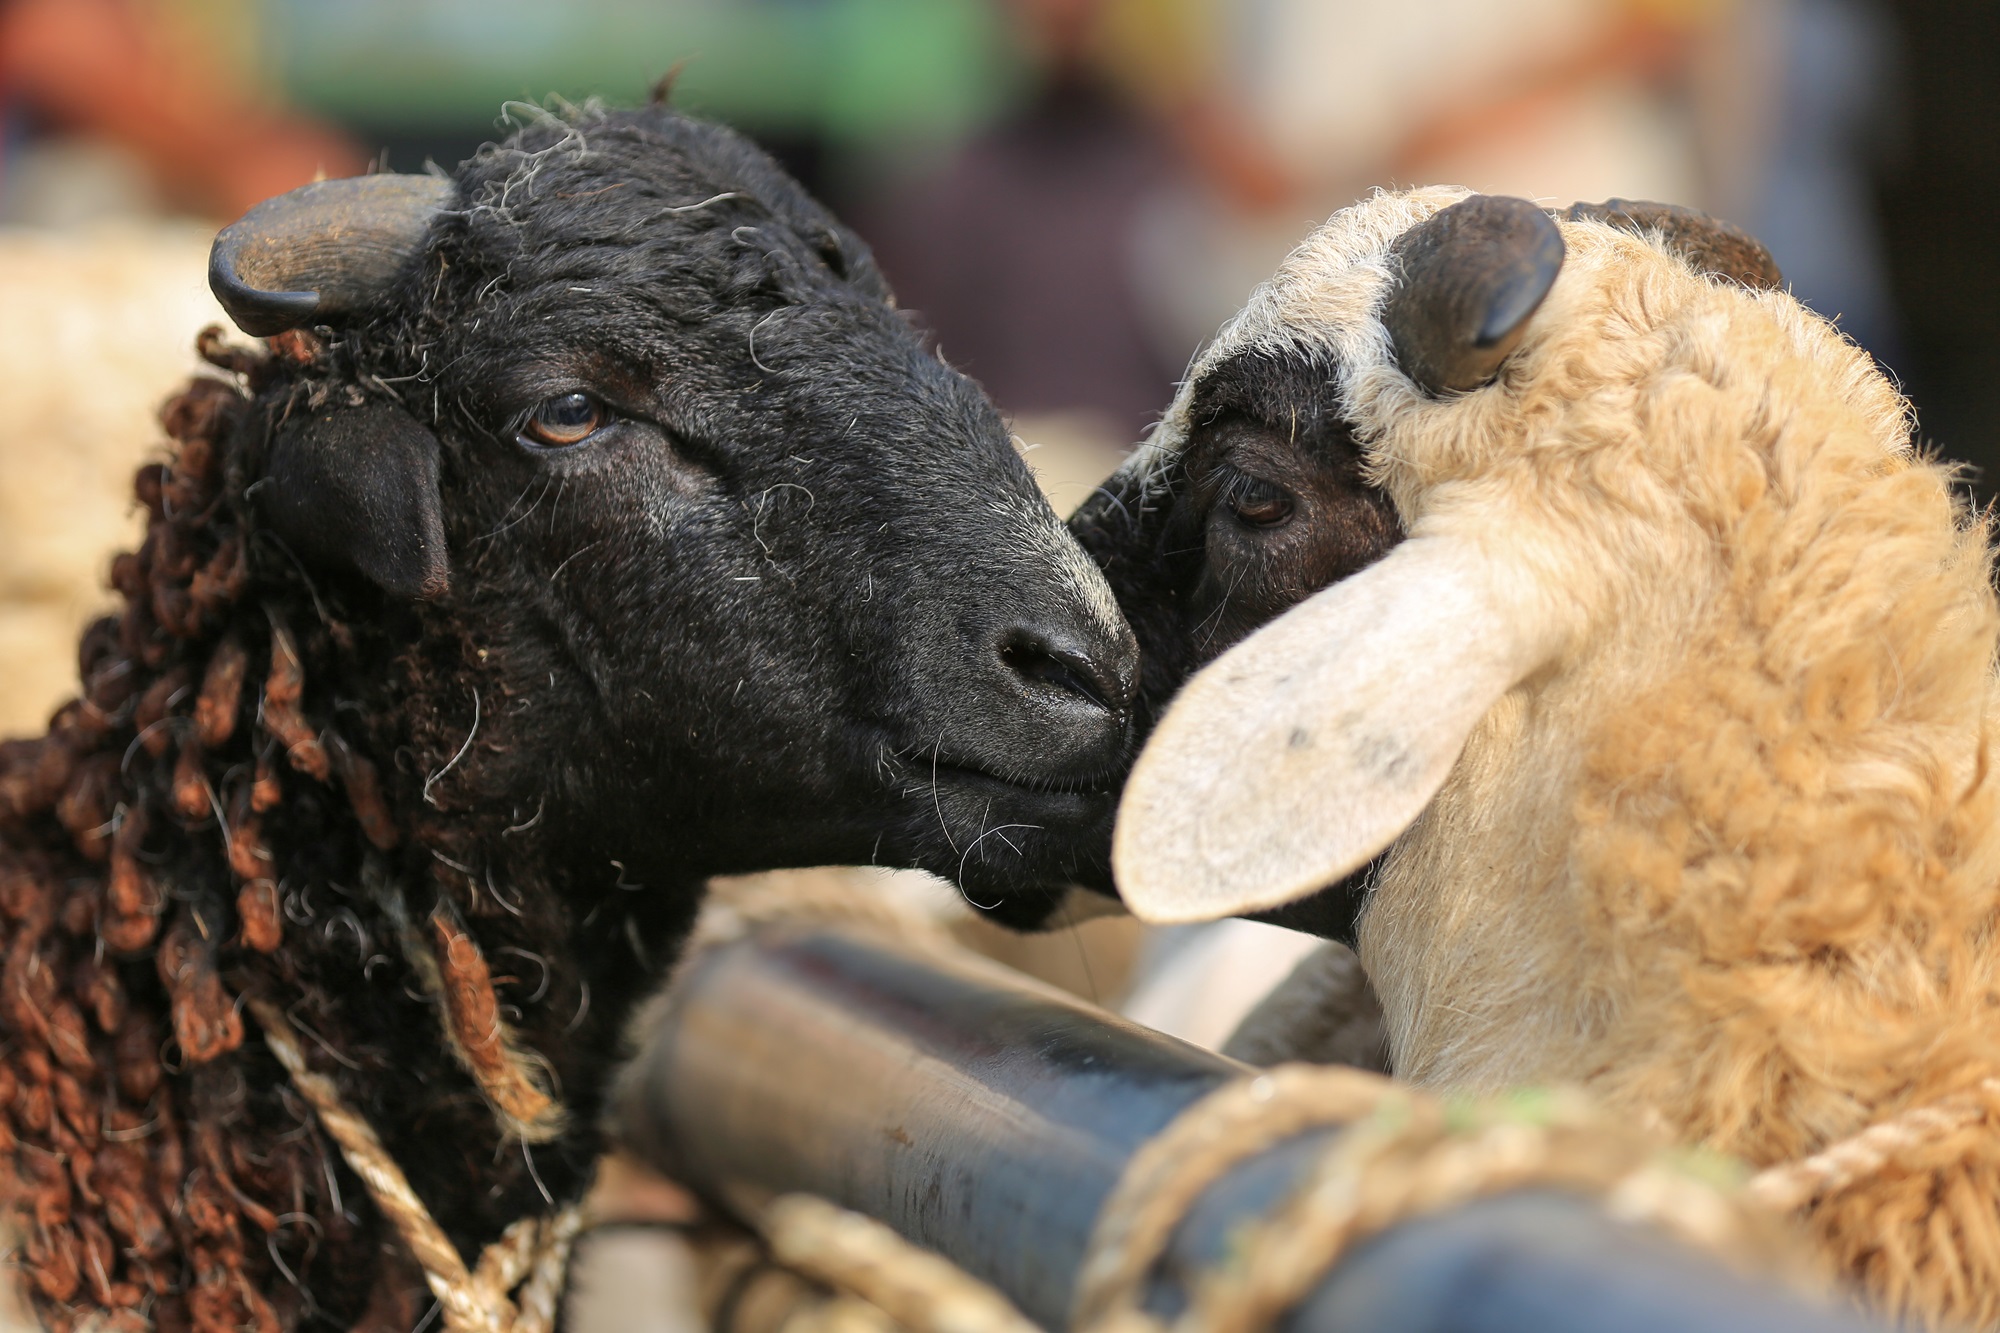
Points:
(833, 256)
(557, 423)
(1258, 504)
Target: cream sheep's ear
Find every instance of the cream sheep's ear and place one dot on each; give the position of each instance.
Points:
(1306, 749)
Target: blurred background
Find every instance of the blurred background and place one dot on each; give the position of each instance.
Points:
(1072, 194)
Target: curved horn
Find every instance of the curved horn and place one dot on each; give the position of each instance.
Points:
(321, 252)
(1710, 244)
(1471, 276)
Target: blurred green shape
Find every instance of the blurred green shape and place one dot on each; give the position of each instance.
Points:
(848, 70)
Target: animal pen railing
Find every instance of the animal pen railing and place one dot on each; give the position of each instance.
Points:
(1007, 1128)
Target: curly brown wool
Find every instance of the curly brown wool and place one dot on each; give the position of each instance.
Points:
(161, 1172)
(132, 1203)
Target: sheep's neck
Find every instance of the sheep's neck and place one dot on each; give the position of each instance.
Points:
(499, 945)
(1757, 902)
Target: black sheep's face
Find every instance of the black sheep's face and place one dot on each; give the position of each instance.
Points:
(779, 560)
(1263, 503)
(762, 576)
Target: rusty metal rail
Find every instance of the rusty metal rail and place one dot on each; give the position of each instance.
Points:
(987, 1118)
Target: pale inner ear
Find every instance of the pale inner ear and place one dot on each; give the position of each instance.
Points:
(1306, 749)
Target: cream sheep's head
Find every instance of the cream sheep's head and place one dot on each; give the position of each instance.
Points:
(1557, 425)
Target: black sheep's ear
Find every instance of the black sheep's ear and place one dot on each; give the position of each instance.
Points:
(1721, 249)
(356, 488)
(1470, 276)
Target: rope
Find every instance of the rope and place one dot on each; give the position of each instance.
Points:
(1792, 1185)
(736, 907)
(1403, 1155)
(1413, 1156)
(1202, 1144)
(920, 1291)
(532, 1254)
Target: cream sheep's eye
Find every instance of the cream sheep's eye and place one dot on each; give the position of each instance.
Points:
(557, 423)
(1258, 504)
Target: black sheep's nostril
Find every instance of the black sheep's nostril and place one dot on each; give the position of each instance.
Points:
(1035, 658)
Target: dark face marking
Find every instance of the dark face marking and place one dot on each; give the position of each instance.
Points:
(1277, 500)
(1267, 504)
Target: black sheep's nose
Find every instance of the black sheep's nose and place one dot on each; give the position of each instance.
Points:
(1101, 674)
(1069, 677)
(1043, 695)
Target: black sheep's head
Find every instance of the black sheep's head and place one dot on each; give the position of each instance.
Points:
(760, 580)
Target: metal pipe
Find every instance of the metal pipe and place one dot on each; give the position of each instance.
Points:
(987, 1117)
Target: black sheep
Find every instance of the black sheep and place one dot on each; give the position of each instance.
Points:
(593, 525)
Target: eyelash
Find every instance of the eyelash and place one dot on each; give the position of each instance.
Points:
(1243, 492)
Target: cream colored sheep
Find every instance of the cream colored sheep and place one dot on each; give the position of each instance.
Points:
(1673, 713)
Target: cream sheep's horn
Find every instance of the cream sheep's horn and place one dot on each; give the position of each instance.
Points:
(1299, 754)
(1721, 249)
(1470, 277)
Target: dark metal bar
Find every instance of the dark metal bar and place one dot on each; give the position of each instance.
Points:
(983, 1116)
(987, 1118)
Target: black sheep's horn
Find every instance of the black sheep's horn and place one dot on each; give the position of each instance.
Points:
(1470, 276)
(322, 252)
(1710, 244)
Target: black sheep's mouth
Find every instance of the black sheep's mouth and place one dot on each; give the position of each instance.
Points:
(1002, 835)
(1100, 784)
(958, 790)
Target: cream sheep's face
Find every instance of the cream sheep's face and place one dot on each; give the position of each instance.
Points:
(1301, 551)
